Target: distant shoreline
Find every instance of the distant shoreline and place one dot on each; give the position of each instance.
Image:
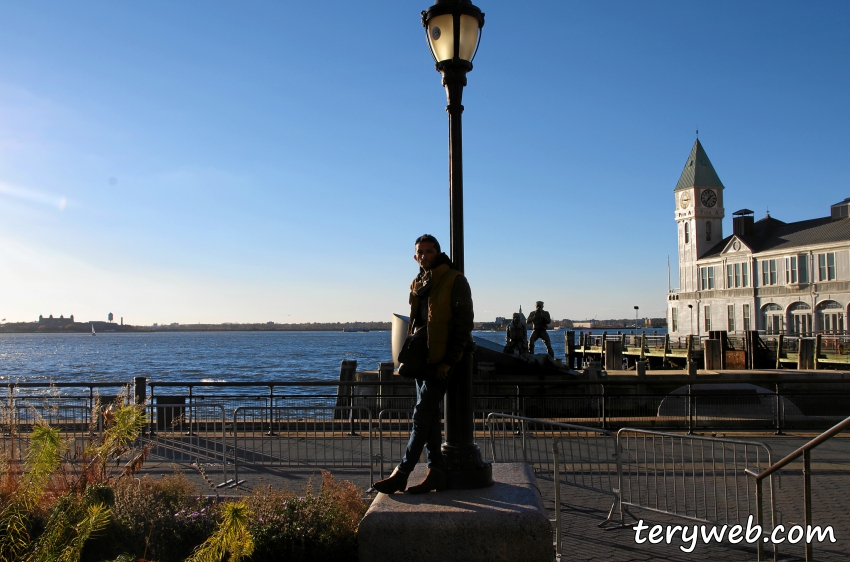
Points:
(111, 327)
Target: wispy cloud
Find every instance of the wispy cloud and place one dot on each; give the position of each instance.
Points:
(33, 196)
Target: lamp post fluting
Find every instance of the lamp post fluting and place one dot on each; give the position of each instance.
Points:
(453, 31)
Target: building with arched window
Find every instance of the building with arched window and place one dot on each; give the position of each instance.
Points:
(768, 275)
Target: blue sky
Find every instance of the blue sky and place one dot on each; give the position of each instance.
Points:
(274, 161)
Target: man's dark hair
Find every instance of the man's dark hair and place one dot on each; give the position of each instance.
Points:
(429, 238)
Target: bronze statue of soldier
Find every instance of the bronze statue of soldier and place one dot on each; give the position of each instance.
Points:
(540, 320)
(515, 336)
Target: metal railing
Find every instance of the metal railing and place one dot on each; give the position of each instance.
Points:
(669, 402)
(79, 427)
(806, 452)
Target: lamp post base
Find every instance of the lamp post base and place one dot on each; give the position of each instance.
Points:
(465, 469)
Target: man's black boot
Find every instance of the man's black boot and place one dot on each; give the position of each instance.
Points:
(397, 482)
(435, 480)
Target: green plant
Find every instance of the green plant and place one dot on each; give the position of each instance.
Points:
(232, 536)
(72, 522)
(80, 499)
(43, 458)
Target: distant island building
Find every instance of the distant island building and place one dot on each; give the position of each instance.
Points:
(51, 321)
(768, 275)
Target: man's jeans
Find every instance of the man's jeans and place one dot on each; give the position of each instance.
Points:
(427, 428)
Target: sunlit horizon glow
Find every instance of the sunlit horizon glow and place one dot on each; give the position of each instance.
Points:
(172, 162)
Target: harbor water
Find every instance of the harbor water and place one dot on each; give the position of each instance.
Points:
(200, 356)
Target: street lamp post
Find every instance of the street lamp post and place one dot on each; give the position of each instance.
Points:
(453, 31)
(636, 316)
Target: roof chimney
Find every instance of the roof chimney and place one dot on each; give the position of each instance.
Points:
(742, 223)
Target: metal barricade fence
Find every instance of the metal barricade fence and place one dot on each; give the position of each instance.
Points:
(393, 432)
(573, 455)
(394, 427)
(189, 434)
(696, 478)
(588, 454)
(320, 436)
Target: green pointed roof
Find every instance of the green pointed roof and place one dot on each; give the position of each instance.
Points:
(698, 171)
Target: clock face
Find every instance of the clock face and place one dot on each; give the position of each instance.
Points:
(685, 200)
(708, 198)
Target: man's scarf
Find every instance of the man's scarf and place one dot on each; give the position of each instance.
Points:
(422, 284)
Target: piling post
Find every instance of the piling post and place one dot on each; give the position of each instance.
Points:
(385, 375)
(344, 393)
(602, 349)
(817, 350)
(779, 351)
(692, 365)
(570, 348)
(642, 345)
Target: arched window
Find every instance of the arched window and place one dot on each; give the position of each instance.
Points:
(687, 232)
(830, 317)
(708, 231)
(772, 318)
(800, 318)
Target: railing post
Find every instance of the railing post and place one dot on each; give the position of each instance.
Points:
(517, 400)
(604, 416)
(556, 458)
(690, 410)
(778, 412)
(189, 409)
(271, 409)
(807, 497)
(759, 518)
(779, 343)
(152, 422)
(236, 447)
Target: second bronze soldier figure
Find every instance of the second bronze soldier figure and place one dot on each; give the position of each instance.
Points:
(540, 319)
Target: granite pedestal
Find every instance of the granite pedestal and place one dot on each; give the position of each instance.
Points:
(504, 522)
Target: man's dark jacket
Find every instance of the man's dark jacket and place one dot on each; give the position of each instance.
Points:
(449, 311)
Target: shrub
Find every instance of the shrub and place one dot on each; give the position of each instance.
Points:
(160, 519)
(315, 527)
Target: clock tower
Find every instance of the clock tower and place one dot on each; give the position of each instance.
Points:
(699, 214)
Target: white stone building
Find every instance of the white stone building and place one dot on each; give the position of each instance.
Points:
(768, 275)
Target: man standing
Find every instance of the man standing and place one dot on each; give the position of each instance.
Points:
(540, 319)
(441, 312)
